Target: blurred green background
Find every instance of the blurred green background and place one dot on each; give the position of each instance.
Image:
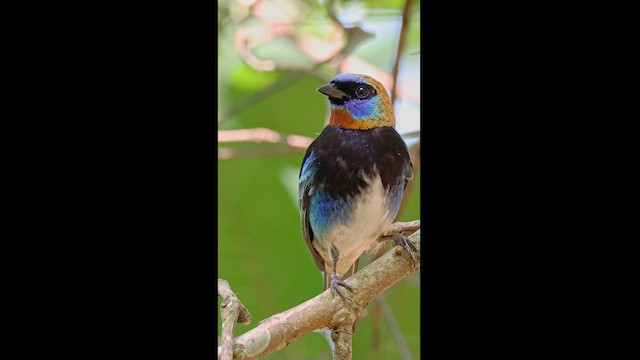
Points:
(272, 55)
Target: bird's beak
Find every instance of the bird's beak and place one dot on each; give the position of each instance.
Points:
(332, 91)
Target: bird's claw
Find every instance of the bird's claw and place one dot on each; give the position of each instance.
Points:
(336, 283)
(405, 243)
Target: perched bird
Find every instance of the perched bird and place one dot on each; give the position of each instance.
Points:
(352, 179)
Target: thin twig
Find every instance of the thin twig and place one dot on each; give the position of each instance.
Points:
(326, 310)
(406, 14)
(395, 328)
(249, 152)
(375, 329)
(264, 134)
(281, 84)
(289, 144)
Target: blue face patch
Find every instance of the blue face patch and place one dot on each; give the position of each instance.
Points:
(363, 109)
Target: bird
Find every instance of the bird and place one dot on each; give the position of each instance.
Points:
(352, 179)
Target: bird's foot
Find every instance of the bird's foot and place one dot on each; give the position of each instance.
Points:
(405, 243)
(335, 283)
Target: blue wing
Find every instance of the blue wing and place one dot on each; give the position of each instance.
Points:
(305, 190)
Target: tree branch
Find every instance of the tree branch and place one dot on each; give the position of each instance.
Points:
(286, 143)
(231, 310)
(342, 337)
(247, 152)
(326, 310)
(263, 134)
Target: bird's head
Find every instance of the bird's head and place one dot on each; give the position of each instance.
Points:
(358, 102)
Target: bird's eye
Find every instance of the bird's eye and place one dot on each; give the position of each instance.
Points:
(362, 92)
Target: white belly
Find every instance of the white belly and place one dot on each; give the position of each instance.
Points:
(369, 219)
